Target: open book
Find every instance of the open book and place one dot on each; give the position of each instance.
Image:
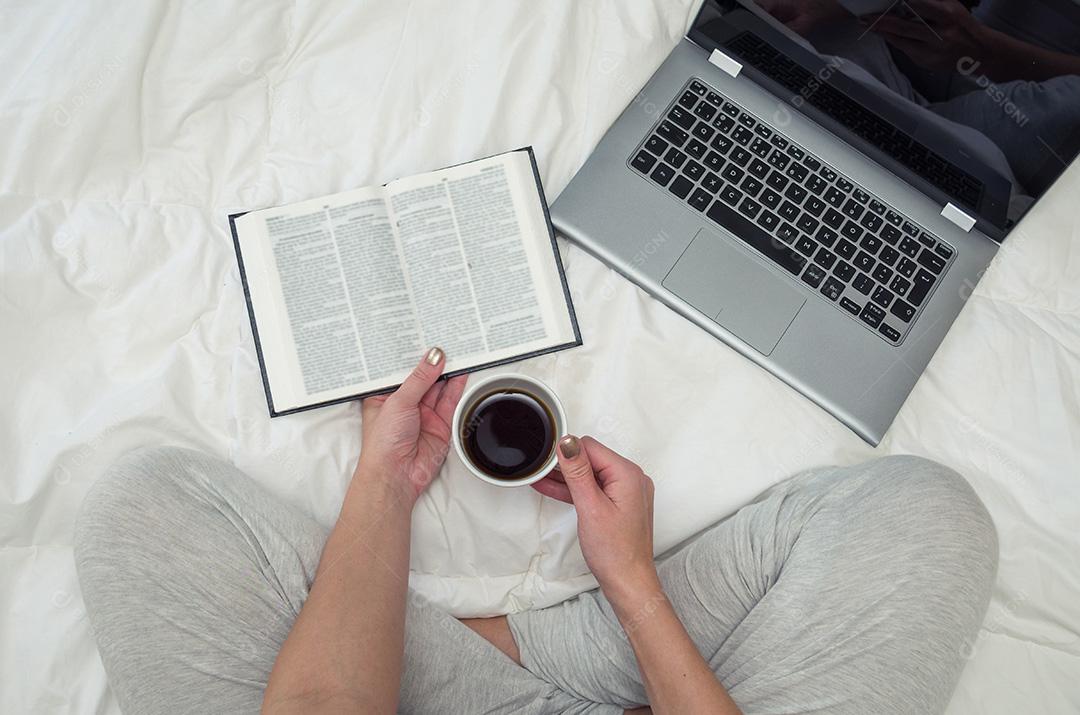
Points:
(346, 292)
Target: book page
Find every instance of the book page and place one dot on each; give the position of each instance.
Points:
(479, 259)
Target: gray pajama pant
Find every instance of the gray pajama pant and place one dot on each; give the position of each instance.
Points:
(841, 590)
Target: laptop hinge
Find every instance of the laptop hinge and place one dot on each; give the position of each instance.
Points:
(958, 217)
(725, 63)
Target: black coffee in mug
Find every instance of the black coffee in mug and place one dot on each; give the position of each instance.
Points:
(508, 434)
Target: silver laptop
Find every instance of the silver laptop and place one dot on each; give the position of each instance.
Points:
(822, 204)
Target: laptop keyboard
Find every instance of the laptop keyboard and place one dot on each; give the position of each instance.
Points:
(925, 162)
(853, 249)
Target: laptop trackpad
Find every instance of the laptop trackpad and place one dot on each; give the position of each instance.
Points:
(736, 291)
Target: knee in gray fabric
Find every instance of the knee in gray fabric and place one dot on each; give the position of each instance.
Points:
(926, 491)
(126, 488)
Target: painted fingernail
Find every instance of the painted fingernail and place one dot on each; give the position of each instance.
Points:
(434, 356)
(570, 446)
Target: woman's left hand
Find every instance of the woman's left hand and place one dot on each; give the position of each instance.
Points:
(406, 434)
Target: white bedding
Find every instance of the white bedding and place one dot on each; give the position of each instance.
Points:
(128, 131)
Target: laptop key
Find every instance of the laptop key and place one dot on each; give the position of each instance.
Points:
(700, 199)
(712, 182)
(864, 261)
(932, 261)
(833, 219)
(796, 193)
(909, 247)
(882, 273)
(920, 287)
(714, 99)
(888, 255)
(871, 222)
(758, 168)
(877, 207)
(769, 220)
(834, 196)
(807, 223)
(713, 160)
(740, 156)
(872, 315)
(695, 148)
(844, 185)
(811, 163)
(829, 174)
(844, 271)
(643, 161)
(851, 231)
(850, 306)
(721, 143)
(826, 236)
(906, 267)
(705, 111)
(846, 248)
(944, 251)
(910, 229)
(763, 131)
(816, 184)
(899, 285)
(754, 237)
(693, 170)
(903, 310)
(730, 109)
(742, 135)
(732, 173)
(681, 117)
(760, 147)
(749, 208)
(789, 210)
(703, 131)
(656, 145)
(814, 206)
(672, 133)
(681, 186)
(813, 275)
(731, 195)
(797, 172)
(832, 288)
(889, 332)
(825, 258)
(787, 233)
(770, 198)
(778, 141)
(746, 120)
(806, 246)
(662, 174)
(750, 185)
(890, 234)
(675, 157)
(861, 196)
(882, 296)
(777, 180)
(723, 123)
(863, 283)
(796, 152)
(697, 88)
(688, 100)
(894, 218)
(778, 161)
(870, 242)
(926, 239)
(853, 209)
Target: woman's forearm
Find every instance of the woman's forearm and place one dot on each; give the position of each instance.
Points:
(344, 652)
(677, 679)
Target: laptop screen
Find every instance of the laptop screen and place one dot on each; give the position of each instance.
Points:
(975, 103)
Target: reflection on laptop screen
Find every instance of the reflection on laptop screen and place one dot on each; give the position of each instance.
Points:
(976, 103)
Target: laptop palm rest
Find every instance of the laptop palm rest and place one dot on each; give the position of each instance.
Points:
(723, 282)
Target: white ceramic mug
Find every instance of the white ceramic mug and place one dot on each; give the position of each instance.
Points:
(496, 383)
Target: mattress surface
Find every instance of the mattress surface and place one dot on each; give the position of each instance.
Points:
(129, 131)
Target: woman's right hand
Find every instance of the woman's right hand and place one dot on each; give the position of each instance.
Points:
(614, 501)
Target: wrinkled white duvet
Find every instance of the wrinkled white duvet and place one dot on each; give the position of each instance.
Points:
(128, 131)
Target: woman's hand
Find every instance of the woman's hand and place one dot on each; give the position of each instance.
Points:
(614, 502)
(406, 434)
